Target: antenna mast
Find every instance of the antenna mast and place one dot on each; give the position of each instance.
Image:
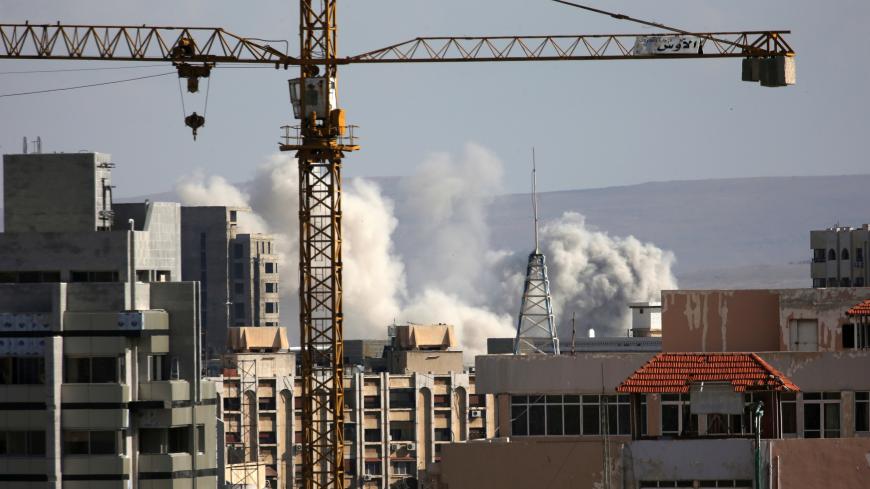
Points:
(535, 197)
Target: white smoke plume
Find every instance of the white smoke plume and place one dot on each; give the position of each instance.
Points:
(429, 259)
(597, 275)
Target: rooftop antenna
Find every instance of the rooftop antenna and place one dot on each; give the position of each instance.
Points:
(24, 151)
(536, 326)
(535, 196)
(573, 333)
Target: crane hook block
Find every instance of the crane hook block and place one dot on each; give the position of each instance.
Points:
(194, 121)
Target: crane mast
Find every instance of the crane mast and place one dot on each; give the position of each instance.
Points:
(322, 137)
(319, 151)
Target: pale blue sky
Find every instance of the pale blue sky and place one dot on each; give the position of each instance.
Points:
(593, 123)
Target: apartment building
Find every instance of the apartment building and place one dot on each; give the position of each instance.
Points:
(237, 270)
(99, 374)
(840, 257)
(684, 417)
(397, 419)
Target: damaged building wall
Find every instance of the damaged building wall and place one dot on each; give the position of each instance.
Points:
(756, 320)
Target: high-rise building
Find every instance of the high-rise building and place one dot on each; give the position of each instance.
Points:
(397, 419)
(100, 380)
(840, 257)
(238, 272)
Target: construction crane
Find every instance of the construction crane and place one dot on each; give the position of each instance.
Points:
(323, 137)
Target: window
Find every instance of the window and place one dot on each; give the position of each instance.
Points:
(238, 270)
(238, 251)
(200, 438)
(22, 371)
(856, 336)
(859, 255)
(818, 283)
(152, 440)
(832, 255)
(677, 418)
(93, 276)
(862, 411)
(271, 288)
(373, 468)
(22, 443)
(844, 255)
(788, 404)
(441, 400)
(556, 415)
(443, 434)
(403, 468)
(179, 439)
(821, 415)
(239, 288)
(803, 335)
(832, 282)
(819, 255)
(372, 434)
(270, 267)
(859, 281)
(93, 370)
(271, 308)
(845, 282)
(239, 310)
(90, 442)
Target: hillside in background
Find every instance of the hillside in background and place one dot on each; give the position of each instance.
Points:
(728, 233)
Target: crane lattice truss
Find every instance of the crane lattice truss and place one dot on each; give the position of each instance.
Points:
(320, 146)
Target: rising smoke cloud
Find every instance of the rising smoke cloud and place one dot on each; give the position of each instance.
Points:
(428, 258)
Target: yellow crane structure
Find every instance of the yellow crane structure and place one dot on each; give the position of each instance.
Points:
(323, 137)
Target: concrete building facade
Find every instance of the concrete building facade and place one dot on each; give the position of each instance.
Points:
(397, 421)
(100, 381)
(563, 422)
(238, 272)
(840, 257)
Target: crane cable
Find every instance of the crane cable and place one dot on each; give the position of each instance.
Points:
(656, 24)
(85, 86)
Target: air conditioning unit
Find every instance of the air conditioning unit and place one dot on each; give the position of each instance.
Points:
(475, 414)
(410, 446)
(297, 448)
(367, 477)
(393, 447)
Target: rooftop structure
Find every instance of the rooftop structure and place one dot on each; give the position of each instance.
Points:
(840, 257)
(677, 372)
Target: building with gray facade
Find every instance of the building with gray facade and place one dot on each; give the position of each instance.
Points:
(840, 257)
(238, 272)
(100, 376)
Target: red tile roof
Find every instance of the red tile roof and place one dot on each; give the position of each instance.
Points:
(675, 372)
(860, 309)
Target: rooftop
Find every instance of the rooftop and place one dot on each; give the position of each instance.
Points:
(860, 309)
(676, 372)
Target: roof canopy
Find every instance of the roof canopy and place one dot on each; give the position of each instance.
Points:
(270, 338)
(676, 372)
(425, 337)
(860, 309)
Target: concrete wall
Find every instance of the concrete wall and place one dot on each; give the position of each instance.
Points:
(520, 464)
(425, 361)
(753, 320)
(824, 371)
(678, 460)
(842, 463)
(720, 320)
(545, 374)
(60, 192)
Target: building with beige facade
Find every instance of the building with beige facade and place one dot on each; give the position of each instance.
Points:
(100, 382)
(397, 420)
(618, 420)
(840, 257)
